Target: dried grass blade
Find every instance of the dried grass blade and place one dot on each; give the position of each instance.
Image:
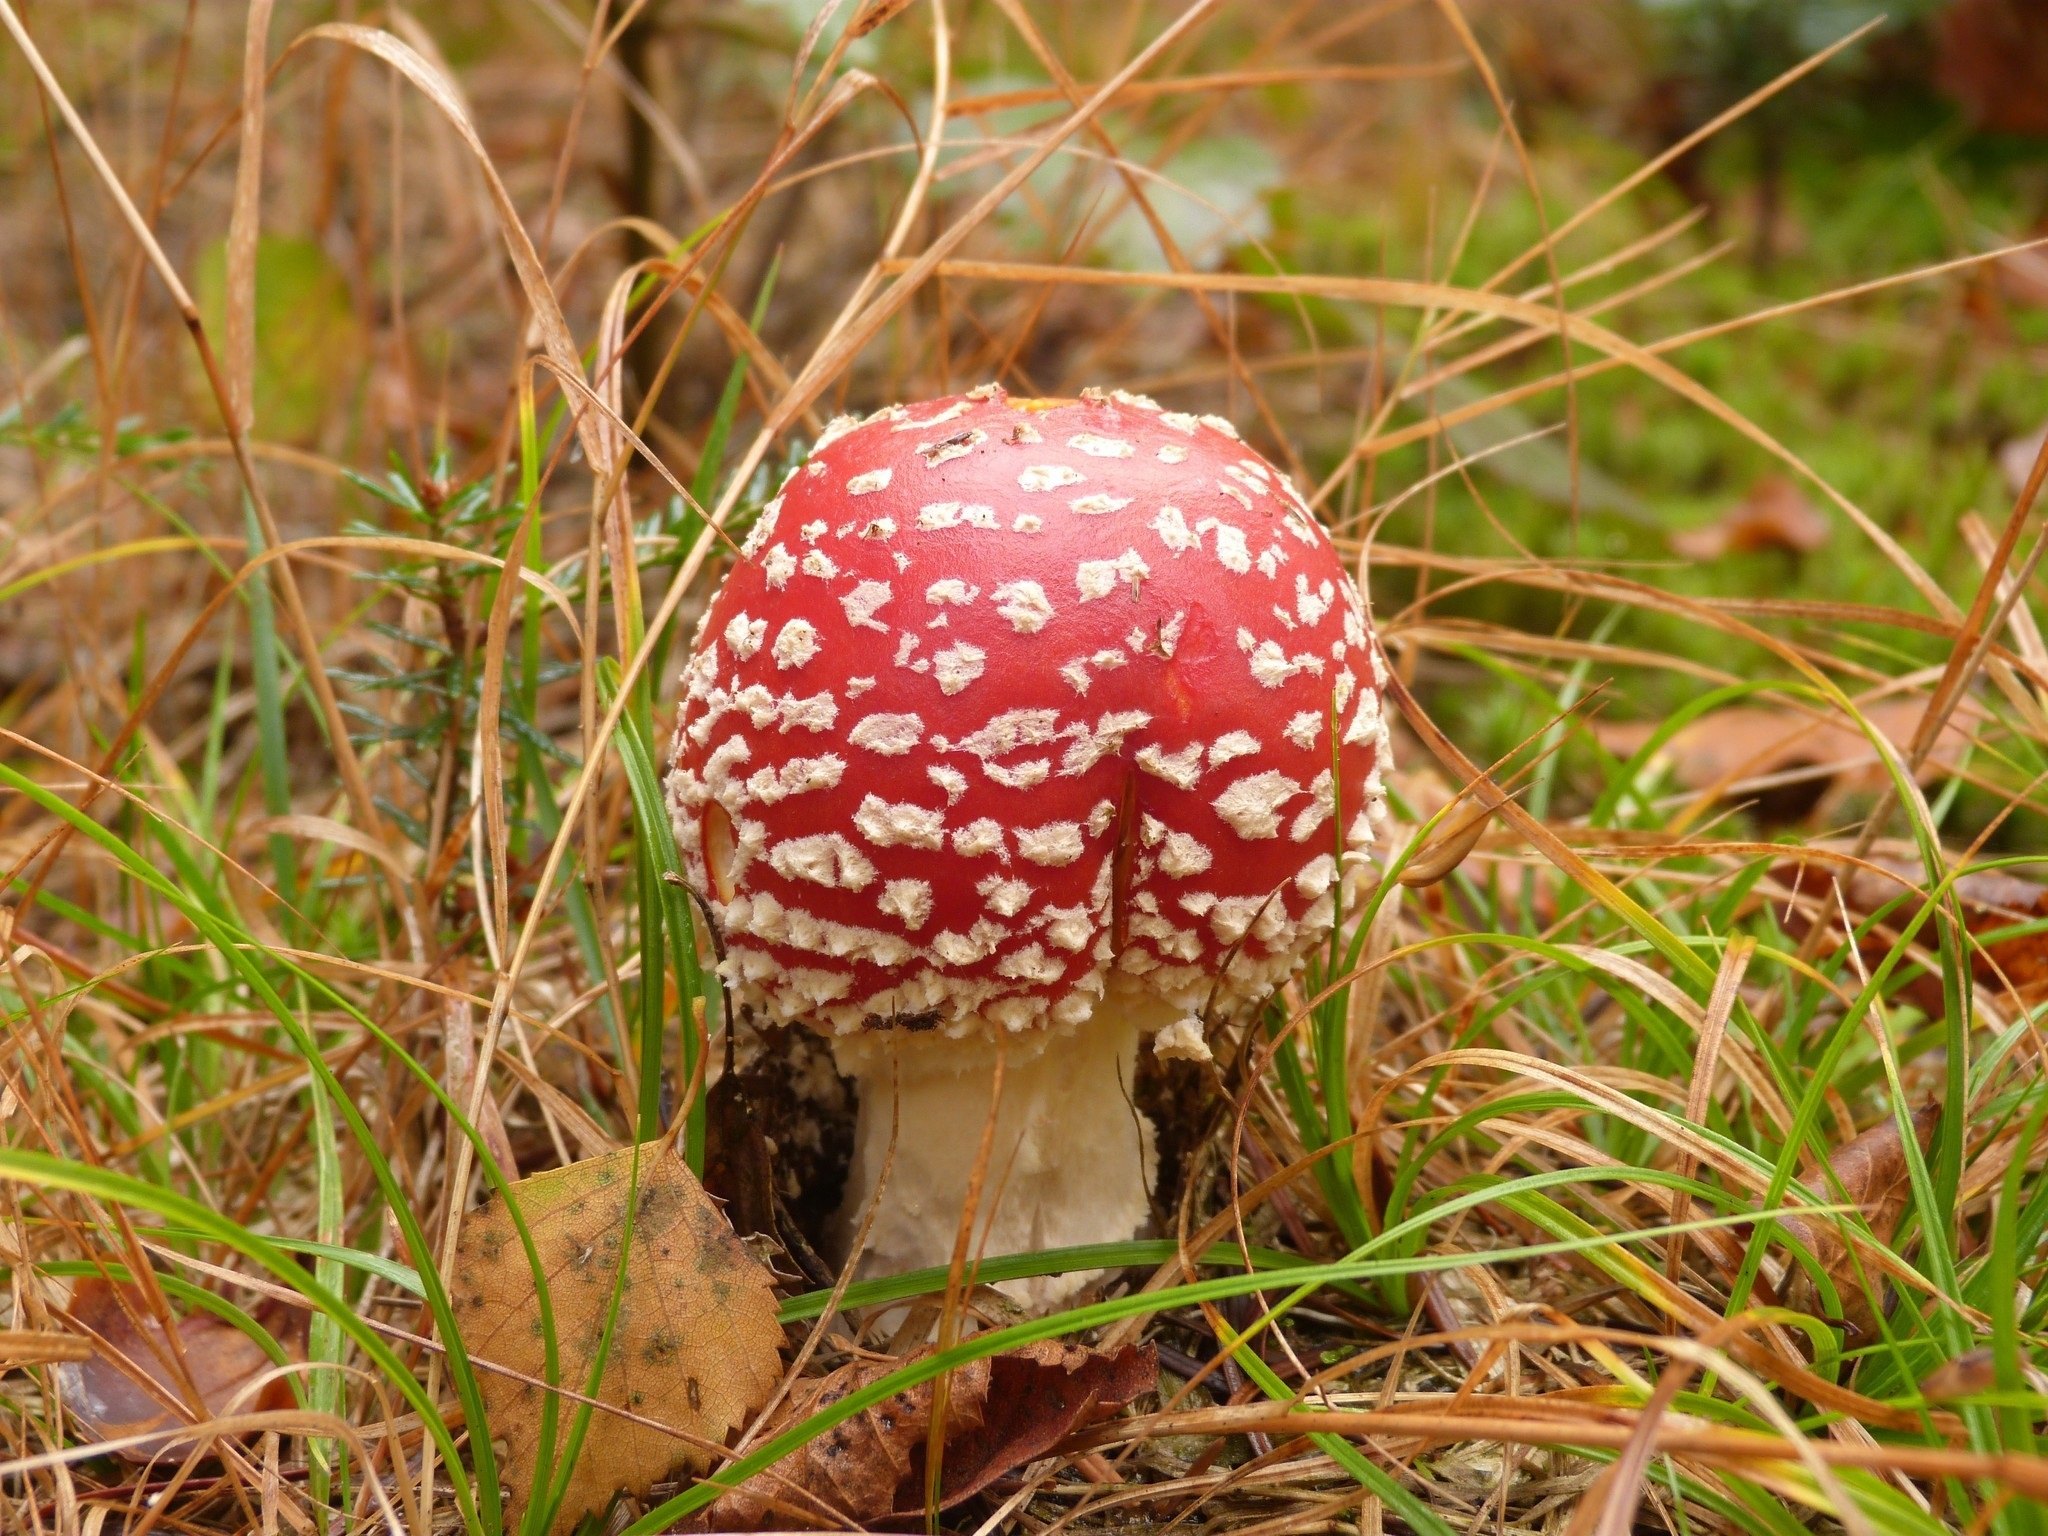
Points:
(337, 729)
(1966, 655)
(526, 263)
(1418, 295)
(1700, 1092)
(245, 225)
(1221, 330)
(1210, 84)
(1547, 241)
(1684, 146)
(848, 339)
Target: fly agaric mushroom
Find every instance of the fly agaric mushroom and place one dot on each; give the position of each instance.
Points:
(1012, 735)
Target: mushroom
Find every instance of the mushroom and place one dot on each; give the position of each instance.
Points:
(1010, 739)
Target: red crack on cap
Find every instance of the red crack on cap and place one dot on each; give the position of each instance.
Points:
(1009, 694)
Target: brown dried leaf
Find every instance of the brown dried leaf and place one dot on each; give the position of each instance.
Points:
(1000, 1413)
(1448, 847)
(129, 1382)
(1991, 900)
(1775, 514)
(1724, 750)
(695, 1346)
(1873, 1176)
(1993, 58)
(1972, 1374)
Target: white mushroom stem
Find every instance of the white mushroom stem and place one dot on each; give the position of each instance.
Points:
(1072, 1160)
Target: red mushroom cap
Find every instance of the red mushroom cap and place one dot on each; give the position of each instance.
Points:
(1009, 696)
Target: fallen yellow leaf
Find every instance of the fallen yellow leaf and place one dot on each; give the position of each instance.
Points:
(695, 1344)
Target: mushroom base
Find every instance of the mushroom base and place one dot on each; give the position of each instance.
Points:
(1072, 1160)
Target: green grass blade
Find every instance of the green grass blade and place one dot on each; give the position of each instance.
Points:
(267, 672)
